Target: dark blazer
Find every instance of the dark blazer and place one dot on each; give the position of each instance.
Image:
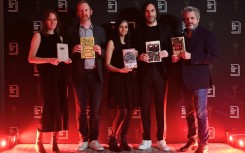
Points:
(77, 62)
(203, 49)
(139, 39)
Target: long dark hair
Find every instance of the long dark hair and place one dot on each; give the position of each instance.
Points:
(146, 4)
(116, 37)
(44, 22)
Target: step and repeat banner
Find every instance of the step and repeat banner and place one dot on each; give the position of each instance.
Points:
(23, 102)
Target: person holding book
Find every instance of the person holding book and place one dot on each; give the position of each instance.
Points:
(53, 76)
(201, 51)
(87, 74)
(152, 75)
(122, 88)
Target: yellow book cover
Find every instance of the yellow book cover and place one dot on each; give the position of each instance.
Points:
(87, 44)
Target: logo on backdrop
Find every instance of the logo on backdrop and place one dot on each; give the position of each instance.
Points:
(37, 26)
(13, 6)
(211, 25)
(35, 70)
(88, 112)
(109, 131)
(187, 2)
(183, 112)
(210, 111)
(13, 48)
(14, 131)
(14, 91)
(234, 112)
(37, 112)
(211, 6)
(62, 6)
(37, 5)
(137, 3)
(235, 70)
(63, 135)
(235, 46)
(236, 5)
(236, 27)
(234, 87)
(211, 91)
(136, 114)
(211, 131)
(112, 6)
(162, 6)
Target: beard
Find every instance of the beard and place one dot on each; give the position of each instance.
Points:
(151, 19)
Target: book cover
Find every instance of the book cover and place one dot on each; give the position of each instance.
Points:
(178, 45)
(87, 44)
(152, 49)
(62, 52)
(129, 58)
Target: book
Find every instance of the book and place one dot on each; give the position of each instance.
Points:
(87, 50)
(62, 52)
(129, 58)
(178, 45)
(152, 49)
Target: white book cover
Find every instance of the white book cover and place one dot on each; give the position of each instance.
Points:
(152, 49)
(62, 52)
(129, 58)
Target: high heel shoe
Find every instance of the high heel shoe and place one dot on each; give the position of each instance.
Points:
(124, 145)
(113, 146)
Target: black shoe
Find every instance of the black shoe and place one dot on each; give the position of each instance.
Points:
(202, 149)
(124, 145)
(190, 145)
(54, 147)
(113, 146)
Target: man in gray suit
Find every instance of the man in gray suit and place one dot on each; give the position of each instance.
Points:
(87, 75)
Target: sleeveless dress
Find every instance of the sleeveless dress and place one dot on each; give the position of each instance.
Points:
(54, 87)
(122, 87)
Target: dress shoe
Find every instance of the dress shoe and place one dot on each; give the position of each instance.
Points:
(190, 145)
(202, 149)
(113, 146)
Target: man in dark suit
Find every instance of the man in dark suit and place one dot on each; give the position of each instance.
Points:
(87, 76)
(152, 76)
(201, 50)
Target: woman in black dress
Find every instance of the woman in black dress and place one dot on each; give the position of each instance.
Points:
(122, 88)
(43, 52)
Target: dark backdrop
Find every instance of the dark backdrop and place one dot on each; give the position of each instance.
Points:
(22, 96)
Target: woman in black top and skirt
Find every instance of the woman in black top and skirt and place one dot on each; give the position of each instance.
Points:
(122, 87)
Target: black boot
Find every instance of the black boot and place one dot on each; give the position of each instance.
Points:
(39, 143)
(113, 146)
(54, 145)
(124, 144)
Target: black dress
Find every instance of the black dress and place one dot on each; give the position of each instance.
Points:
(54, 87)
(122, 88)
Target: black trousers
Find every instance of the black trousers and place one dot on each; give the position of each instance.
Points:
(153, 84)
(88, 90)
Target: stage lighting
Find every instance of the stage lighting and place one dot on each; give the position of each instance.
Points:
(236, 140)
(7, 142)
